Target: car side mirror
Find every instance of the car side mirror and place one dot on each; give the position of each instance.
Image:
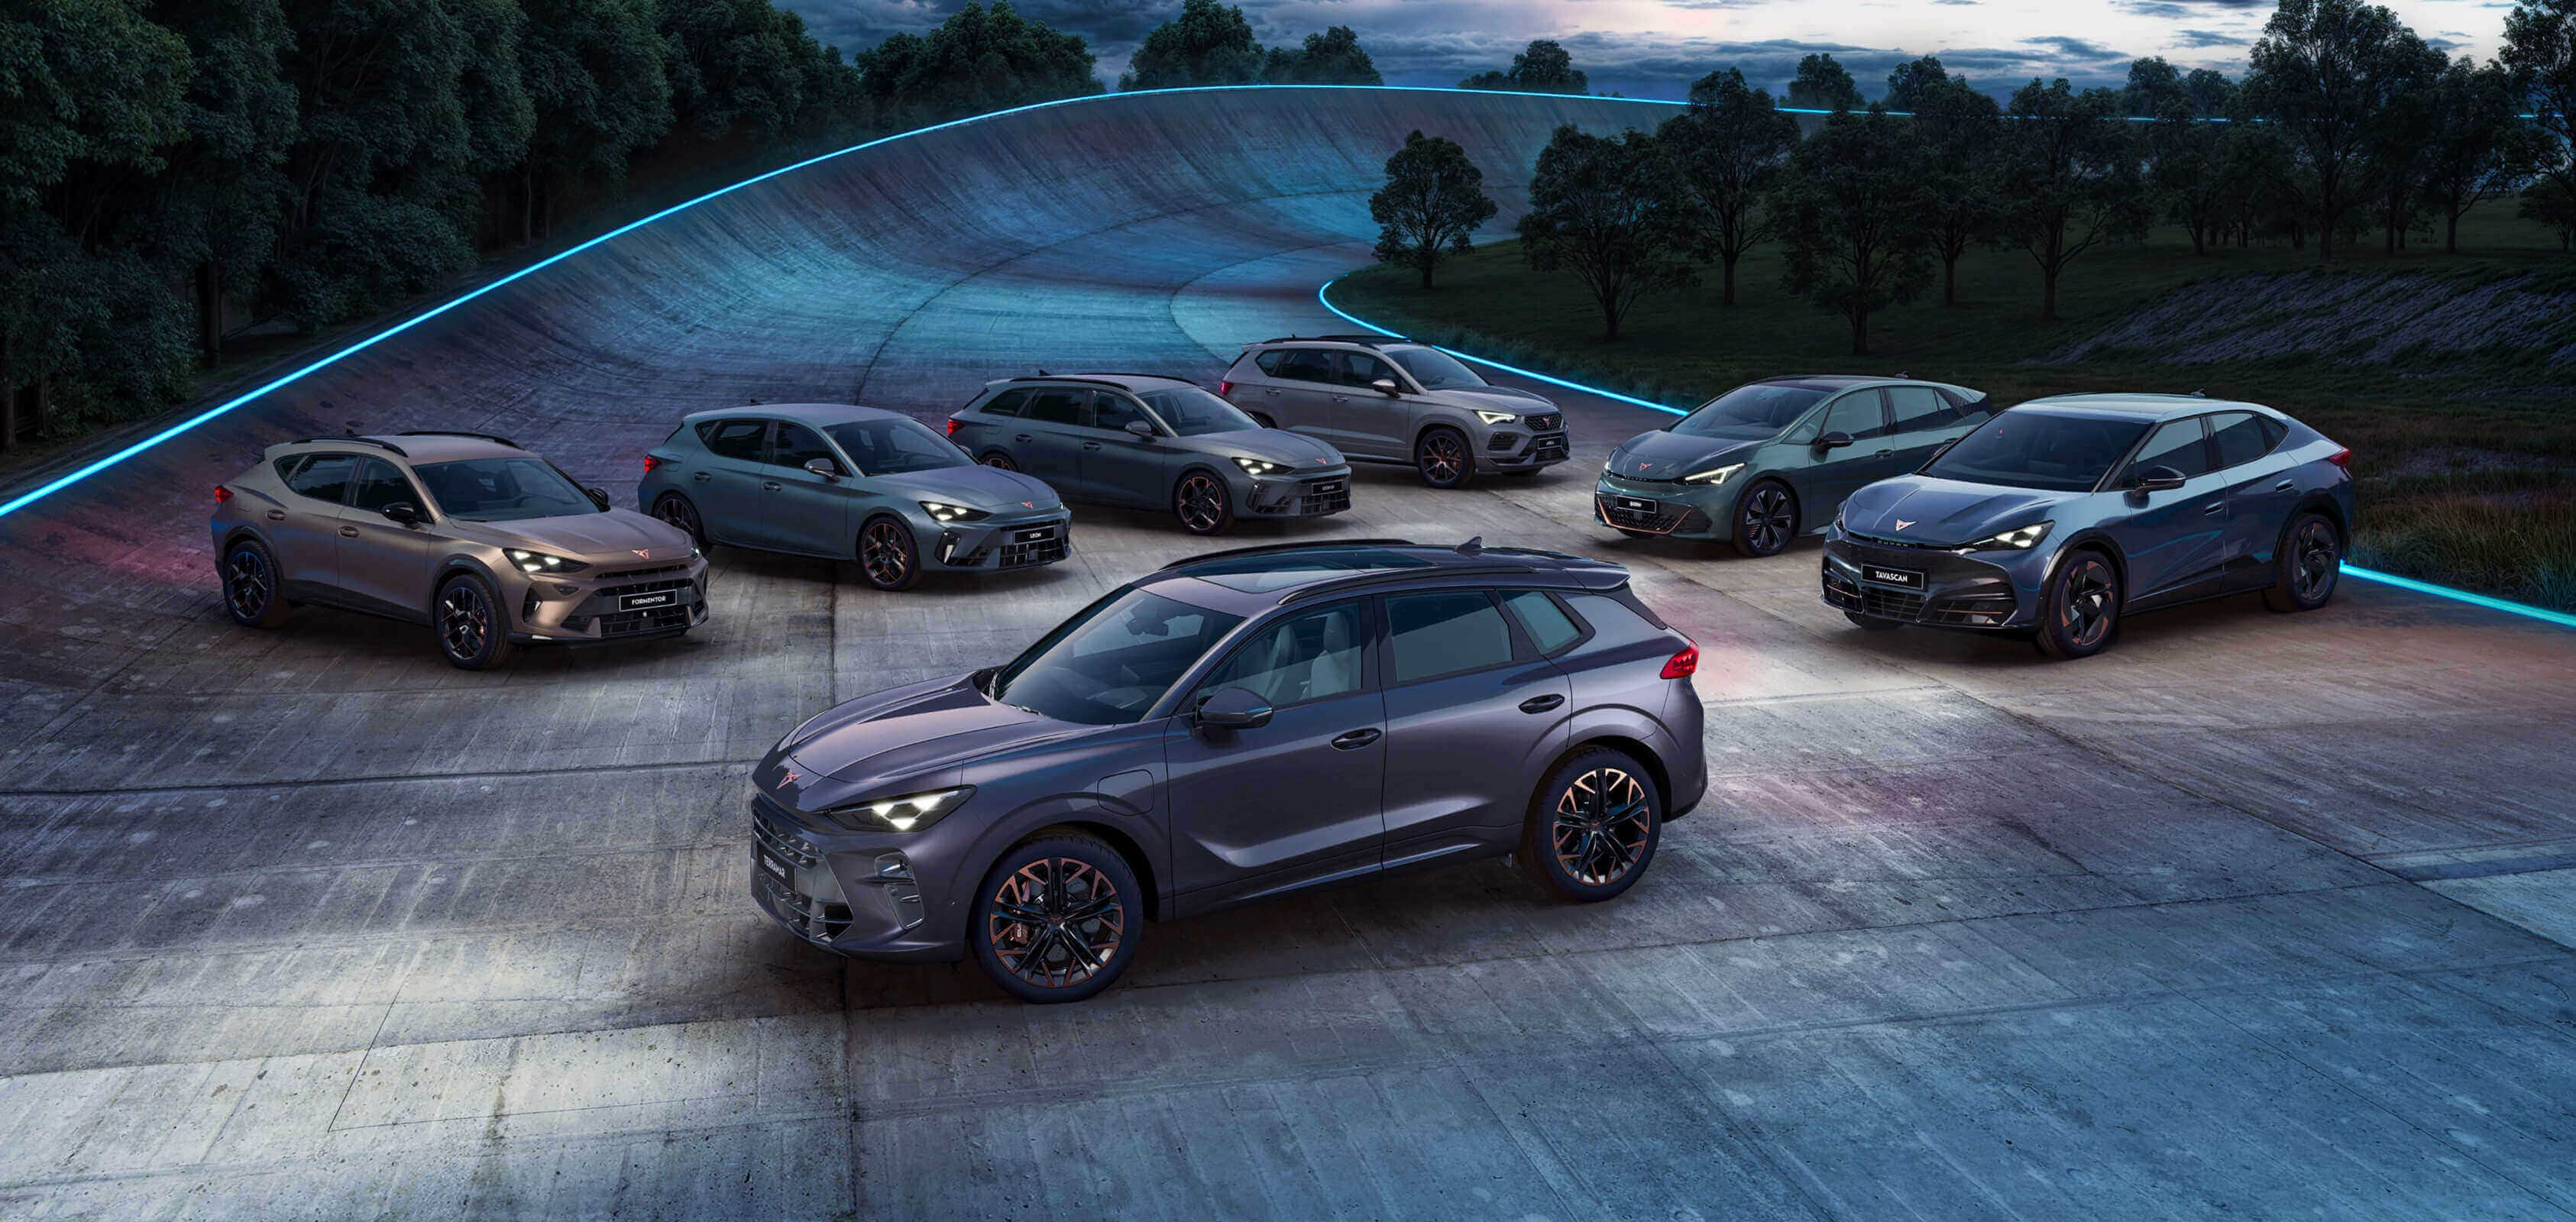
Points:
(2159, 479)
(404, 513)
(597, 497)
(1834, 440)
(1385, 386)
(1141, 428)
(1233, 708)
(823, 467)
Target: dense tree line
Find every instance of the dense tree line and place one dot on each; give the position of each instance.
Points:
(1213, 44)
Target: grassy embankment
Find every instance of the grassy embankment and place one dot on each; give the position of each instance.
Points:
(2462, 425)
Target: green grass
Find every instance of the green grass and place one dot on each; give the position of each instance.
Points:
(2466, 455)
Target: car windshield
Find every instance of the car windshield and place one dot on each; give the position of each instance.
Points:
(894, 446)
(1759, 410)
(1192, 412)
(503, 489)
(1436, 370)
(2037, 449)
(1111, 662)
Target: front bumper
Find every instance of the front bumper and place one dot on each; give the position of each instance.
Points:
(1992, 591)
(995, 544)
(853, 893)
(1307, 494)
(639, 602)
(1682, 511)
(1527, 444)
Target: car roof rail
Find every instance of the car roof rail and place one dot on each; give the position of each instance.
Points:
(1095, 379)
(1341, 585)
(494, 438)
(351, 438)
(1308, 545)
(1369, 340)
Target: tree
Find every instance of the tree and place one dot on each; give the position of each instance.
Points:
(1909, 83)
(2478, 147)
(1208, 44)
(221, 198)
(2187, 169)
(2551, 204)
(1729, 146)
(2540, 46)
(2324, 73)
(1433, 201)
(2210, 93)
(744, 72)
(1543, 68)
(2398, 140)
(2065, 175)
(979, 60)
(1851, 217)
(1822, 84)
(2153, 86)
(1333, 57)
(1613, 211)
(594, 78)
(1960, 124)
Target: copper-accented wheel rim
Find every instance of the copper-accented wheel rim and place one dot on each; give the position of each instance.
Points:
(464, 621)
(676, 512)
(1201, 503)
(1602, 821)
(1766, 518)
(1002, 461)
(247, 583)
(1056, 922)
(1443, 457)
(885, 554)
(2092, 601)
(2318, 561)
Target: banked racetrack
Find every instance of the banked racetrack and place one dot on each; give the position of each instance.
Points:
(2253, 915)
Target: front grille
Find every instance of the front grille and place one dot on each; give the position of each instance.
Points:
(655, 571)
(785, 843)
(645, 587)
(1974, 610)
(1872, 600)
(1904, 543)
(654, 619)
(1036, 551)
(815, 920)
(1335, 501)
(1548, 423)
(1661, 519)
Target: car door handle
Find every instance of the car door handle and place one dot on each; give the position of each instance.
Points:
(769, 485)
(2214, 507)
(703, 476)
(1884, 454)
(277, 515)
(348, 532)
(1270, 390)
(1341, 398)
(1541, 704)
(1091, 445)
(2285, 485)
(1023, 438)
(1355, 739)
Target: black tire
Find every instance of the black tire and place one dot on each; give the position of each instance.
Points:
(998, 459)
(676, 510)
(1442, 457)
(249, 582)
(1203, 504)
(1872, 622)
(1592, 827)
(470, 624)
(1022, 929)
(1766, 519)
(2079, 612)
(889, 558)
(2308, 564)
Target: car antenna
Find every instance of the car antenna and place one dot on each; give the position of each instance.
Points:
(1044, 374)
(2200, 394)
(1472, 547)
(1902, 374)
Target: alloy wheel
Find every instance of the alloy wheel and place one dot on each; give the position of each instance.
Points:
(1766, 519)
(883, 554)
(1201, 503)
(247, 583)
(2092, 598)
(677, 512)
(1602, 821)
(1444, 457)
(464, 620)
(1000, 461)
(2317, 561)
(1056, 922)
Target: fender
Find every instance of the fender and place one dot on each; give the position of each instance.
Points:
(450, 566)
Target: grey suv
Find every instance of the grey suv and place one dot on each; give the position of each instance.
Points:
(489, 545)
(1235, 727)
(1380, 399)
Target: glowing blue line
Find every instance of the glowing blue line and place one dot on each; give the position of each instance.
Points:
(2490, 602)
(1516, 370)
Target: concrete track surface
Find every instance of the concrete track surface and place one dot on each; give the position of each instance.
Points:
(2254, 916)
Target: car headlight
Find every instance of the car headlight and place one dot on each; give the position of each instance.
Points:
(1496, 417)
(944, 512)
(1714, 475)
(1255, 466)
(2019, 539)
(539, 562)
(909, 813)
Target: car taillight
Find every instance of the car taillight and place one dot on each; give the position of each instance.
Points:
(222, 494)
(2341, 458)
(651, 464)
(1684, 664)
(1225, 388)
(952, 426)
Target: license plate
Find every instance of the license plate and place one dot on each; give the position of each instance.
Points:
(1903, 579)
(1634, 504)
(771, 862)
(1035, 535)
(643, 602)
(1326, 486)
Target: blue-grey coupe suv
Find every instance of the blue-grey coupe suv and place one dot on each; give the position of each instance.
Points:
(1231, 728)
(850, 483)
(2060, 516)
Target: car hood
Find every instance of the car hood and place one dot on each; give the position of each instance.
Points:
(1495, 399)
(617, 535)
(1662, 455)
(1921, 509)
(1270, 445)
(990, 489)
(916, 730)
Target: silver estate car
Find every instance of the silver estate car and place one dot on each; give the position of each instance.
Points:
(488, 544)
(1381, 399)
(850, 483)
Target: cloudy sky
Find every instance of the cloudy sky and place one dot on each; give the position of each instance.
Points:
(1654, 48)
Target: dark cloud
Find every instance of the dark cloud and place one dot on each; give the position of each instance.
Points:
(2210, 38)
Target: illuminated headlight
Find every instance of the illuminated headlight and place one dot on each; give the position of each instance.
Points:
(1255, 466)
(2019, 539)
(1714, 475)
(945, 512)
(909, 813)
(1496, 417)
(539, 562)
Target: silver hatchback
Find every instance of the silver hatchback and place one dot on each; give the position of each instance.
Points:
(1381, 399)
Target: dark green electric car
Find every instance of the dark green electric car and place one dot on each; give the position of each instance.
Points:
(1767, 462)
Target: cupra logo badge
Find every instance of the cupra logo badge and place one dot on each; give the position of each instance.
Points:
(791, 778)
(642, 553)
(1028, 504)
(1902, 524)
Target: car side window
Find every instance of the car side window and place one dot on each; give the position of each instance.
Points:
(739, 439)
(1858, 414)
(1305, 657)
(381, 484)
(797, 446)
(1362, 370)
(1056, 405)
(1971, 411)
(1919, 409)
(1112, 412)
(1268, 362)
(1547, 624)
(1007, 403)
(2179, 444)
(325, 477)
(1306, 365)
(1445, 632)
(2241, 437)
